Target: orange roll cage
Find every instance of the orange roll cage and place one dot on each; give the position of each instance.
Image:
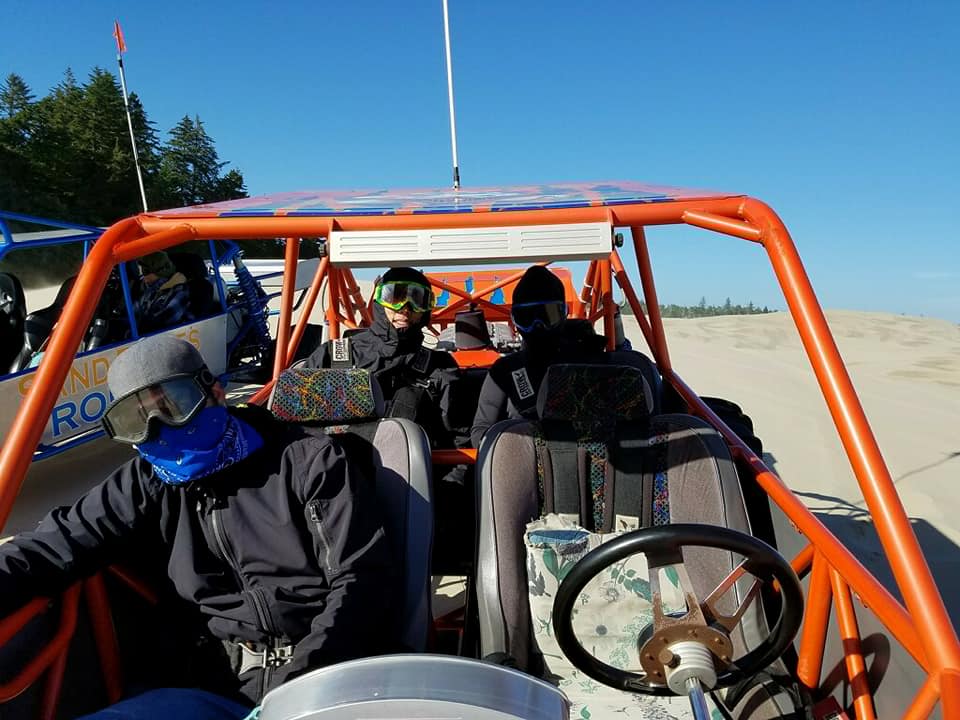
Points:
(921, 624)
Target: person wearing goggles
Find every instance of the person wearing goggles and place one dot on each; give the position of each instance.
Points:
(391, 348)
(266, 530)
(539, 313)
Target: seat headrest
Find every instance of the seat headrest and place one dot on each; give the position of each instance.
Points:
(471, 331)
(593, 398)
(326, 396)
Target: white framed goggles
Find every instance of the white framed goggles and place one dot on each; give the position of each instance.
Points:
(175, 402)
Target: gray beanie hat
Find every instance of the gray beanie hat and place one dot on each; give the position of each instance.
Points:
(151, 361)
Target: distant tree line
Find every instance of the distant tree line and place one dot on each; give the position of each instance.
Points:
(701, 309)
(68, 156)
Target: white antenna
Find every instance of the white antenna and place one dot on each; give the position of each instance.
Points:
(453, 118)
(121, 49)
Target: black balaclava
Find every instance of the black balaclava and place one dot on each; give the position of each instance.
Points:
(538, 284)
(410, 339)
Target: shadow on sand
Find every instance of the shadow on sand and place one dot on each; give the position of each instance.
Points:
(854, 527)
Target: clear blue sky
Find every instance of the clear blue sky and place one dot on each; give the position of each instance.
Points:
(844, 116)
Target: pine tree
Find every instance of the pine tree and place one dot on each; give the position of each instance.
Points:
(15, 96)
(190, 168)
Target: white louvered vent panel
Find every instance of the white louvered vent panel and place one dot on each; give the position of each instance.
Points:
(525, 243)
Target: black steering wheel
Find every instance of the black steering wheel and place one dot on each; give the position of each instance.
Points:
(702, 622)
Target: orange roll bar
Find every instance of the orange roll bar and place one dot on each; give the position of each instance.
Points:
(891, 612)
(803, 560)
(852, 651)
(52, 687)
(131, 250)
(101, 622)
(28, 426)
(290, 256)
(463, 456)
(607, 306)
(623, 280)
(333, 298)
(53, 649)
(721, 224)
(659, 348)
(925, 699)
(307, 311)
(900, 545)
(816, 617)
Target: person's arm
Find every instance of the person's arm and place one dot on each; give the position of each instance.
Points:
(342, 515)
(73, 542)
(491, 406)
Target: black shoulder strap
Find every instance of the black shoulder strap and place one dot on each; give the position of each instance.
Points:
(420, 364)
(524, 395)
(341, 354)
(632, 487)
(566, 468)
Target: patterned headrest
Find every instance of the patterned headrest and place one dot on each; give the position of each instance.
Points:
(326, 397)
(594, 397)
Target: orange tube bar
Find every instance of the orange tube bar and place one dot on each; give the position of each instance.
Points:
(290, 256)
(135, 584)
(623, 280)
(132, 249)
(660, 352)
(893, 526)
(585, 301)
(720, 224)
(52, 687)
(465, 456)
(925, 700)
(333, 299)
(53, 649)
(105, 636)
(28, 426)
(950, 693)
(307, 311)
(607, 305)
(306, 226)
(17, 620)
(801, 563)
(852, 651)
(815, 620)
(354, 289)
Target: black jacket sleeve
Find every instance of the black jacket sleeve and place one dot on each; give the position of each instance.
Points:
(356, 559)
(73, 542)
(492, 404)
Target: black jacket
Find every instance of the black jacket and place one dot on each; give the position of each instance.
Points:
(287, 544)
(510, 388)
(400, 364)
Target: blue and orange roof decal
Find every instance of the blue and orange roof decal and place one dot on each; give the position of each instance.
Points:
(434, 201)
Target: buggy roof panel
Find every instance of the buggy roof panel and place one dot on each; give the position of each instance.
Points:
(434, 201)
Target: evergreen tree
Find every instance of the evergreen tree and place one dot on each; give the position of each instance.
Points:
(15, 96)
(190, 168)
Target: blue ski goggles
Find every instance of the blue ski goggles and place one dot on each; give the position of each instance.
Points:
(528, 317)
(174, 402)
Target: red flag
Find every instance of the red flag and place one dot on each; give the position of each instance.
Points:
(118, 34)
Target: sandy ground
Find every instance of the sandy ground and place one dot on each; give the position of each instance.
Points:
(905, 369)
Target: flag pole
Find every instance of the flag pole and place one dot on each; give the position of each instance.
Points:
(453, 119)
(121, 48)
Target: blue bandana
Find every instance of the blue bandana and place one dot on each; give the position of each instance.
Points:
(210, 442)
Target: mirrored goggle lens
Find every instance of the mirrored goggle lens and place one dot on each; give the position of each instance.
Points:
(396, 295)
(173, 402)
(530, 316)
